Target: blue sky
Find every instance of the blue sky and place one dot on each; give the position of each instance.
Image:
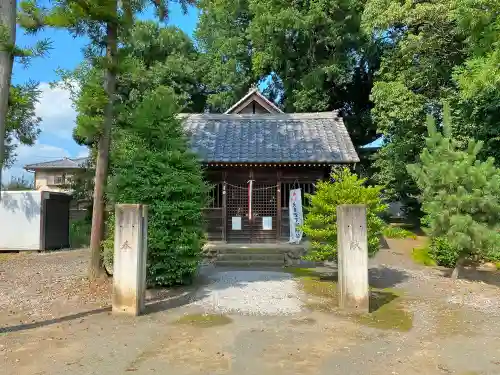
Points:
(55, 107)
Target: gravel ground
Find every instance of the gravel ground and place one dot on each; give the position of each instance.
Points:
(37, 286)
(250, 292)
(455, 329)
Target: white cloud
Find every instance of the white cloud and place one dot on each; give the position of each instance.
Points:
(83, 153)
(58, 120)
(56, 110)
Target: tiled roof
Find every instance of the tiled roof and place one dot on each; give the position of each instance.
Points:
(252, 138)
(65, 163)
(280, 138)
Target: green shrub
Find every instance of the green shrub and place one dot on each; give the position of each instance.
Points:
(422, 255)
(79, 233)
(460, 197)
(320, 224)
(392, 231)
(443, 253)
(152, 164)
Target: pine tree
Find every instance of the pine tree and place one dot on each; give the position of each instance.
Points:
(320, 224)
(460, 194)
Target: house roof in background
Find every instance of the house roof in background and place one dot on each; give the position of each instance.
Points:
(281, 138)
(65, 163)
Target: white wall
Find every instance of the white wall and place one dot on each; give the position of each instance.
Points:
(20, 220)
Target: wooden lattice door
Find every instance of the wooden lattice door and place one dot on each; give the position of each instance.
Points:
(237, 209)
(264, 213)
(261, 225)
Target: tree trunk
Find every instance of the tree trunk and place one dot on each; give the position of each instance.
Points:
(101, 170)
(8, 24)
(459, 266)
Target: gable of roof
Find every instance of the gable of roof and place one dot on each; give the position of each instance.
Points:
(281, 138)
(65, 163)
(253, 96)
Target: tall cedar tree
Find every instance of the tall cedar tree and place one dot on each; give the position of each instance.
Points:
(320, 224)
(18, 122)
(153, 165)
(7, 42)
(436, 50)
(103, 21)
(460, 194)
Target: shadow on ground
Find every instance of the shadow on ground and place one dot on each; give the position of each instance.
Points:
(378, 277)
(43, 323)
(386, 277)
(473, 274)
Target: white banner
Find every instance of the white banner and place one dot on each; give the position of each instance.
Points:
(296, 217)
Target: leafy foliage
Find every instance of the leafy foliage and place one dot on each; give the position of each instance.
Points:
(320, 224)
(152, 56)
(153, 166)
(414, 75)
(226, 59)
(460, 194)
(79, 233)
(22, 127)
(313, 56)
(435, 50)
(18, 183)
(442, 252)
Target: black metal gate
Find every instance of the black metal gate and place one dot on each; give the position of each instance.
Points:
(261, 225)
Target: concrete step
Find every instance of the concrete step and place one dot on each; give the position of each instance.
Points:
(250, 263)
(278, 257)
(245, 250)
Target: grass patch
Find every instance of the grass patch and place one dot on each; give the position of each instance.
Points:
(303, 321)
(497, 265)
(320, 286)
(421, 255)
(5, 256)
(386, 307)
(204, 320)
(387, 312)
(302, 272)
(79, 234)
(396, 232)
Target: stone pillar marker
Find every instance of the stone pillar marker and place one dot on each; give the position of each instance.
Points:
(130, 254)
(352, 243)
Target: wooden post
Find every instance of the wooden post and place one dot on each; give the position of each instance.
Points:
(129, 264)
(224, 208)
(278, 207)
(352, 247)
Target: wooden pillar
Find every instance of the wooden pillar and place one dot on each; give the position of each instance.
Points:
(130, 254)
(224, 207)
(352, 245)
(278, 206)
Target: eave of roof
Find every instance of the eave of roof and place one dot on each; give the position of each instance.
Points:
(64, 163)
